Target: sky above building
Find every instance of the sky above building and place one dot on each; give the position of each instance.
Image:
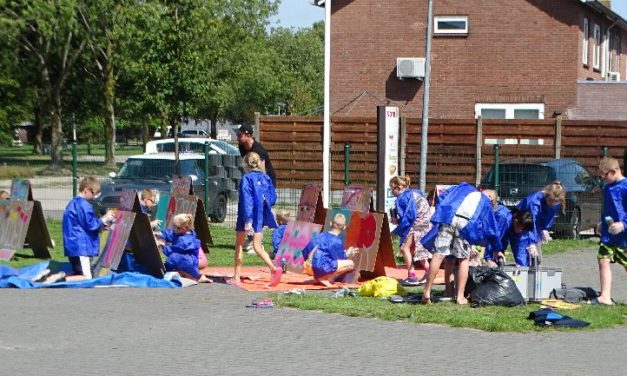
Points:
(300, 13)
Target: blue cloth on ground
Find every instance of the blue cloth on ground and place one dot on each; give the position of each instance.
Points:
(21, 278)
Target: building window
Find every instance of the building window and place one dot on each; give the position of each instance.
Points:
(510, 110)
(586, 36)
(457, 25)
(596, 50)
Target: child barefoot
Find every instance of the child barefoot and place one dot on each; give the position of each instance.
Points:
(181, 247)
(256, 198)
(329, 259)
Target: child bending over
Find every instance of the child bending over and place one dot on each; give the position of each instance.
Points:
(282, 217)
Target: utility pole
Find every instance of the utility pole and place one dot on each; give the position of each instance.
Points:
(424, 142)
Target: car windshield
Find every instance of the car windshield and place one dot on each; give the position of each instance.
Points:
(160, 169)
(219, 147)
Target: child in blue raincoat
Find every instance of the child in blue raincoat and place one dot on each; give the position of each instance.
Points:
(463, 217)
(282, 217)
(544, 206)
(180, 245)
(411, 214)
(329, 260)
(81, 228)
(613, 248)
(256, 198)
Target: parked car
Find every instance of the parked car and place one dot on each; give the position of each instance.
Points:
(154, 171)
(195, 144)
(521, 177)
(193, 133)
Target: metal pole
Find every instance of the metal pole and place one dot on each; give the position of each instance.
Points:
(497, 148)
(606, 151)
(206, 194)
(74, 169)
(326, 131)
(347, 157)
(425, 102)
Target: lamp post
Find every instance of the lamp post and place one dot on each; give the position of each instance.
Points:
(425, 101)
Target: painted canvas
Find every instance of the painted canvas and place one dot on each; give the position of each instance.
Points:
(14, 220)
(307, 204)
(162, 207)
(116, 240)
(356, 197)
(127, 199)
(20, 189)
(363, 231)
(181, 185)
(178, 205)
(296, 236)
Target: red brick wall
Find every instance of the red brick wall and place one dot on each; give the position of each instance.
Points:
(516, 51)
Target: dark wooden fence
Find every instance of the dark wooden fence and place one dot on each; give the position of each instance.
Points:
(458, 150)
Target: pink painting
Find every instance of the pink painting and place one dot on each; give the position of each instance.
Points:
(116, 241)
(127, 199)
(181, 185)
(14, 220)
(356, 198)
(296, 236)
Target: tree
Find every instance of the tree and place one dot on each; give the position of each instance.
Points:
(51, 36)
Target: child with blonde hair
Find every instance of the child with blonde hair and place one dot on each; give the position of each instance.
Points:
(613, 248)
(411, 213)
(327, 255)
(544, 206)
(180, 245)
(282, 217)
(254, 211)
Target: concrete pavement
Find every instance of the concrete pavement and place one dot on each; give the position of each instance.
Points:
(206, 329)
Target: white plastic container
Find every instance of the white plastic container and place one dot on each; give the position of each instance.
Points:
(542, 280)
(520, 275)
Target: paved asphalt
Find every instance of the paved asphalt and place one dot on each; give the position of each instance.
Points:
(206, 330)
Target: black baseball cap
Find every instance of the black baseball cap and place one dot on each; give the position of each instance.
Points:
(244, 128)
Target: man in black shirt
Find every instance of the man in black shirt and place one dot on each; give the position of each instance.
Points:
(247, 144)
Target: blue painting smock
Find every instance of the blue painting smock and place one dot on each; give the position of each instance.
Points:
(81, 229)
(503, 218)
(480, 228)
(182, 252)
(407, 212)
(277, 236)
(543, 215)
(615, 206)
(256, 198)
(328, 249)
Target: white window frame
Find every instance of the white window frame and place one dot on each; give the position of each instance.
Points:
(437, 30)
(510, 108)
(586, 38)
(596, 50)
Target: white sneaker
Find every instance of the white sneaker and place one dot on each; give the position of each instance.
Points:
(52, 278)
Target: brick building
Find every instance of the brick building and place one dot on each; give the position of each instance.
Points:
(495, 58)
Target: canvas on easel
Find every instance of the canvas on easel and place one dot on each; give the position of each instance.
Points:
(30, 230)
(296, 236)
(310, 206)
(181, 185)
(188, 205)
(145, 247)
(357, 197)
(116, 242)
(366, 232)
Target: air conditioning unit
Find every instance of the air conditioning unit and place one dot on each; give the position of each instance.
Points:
(410, 67)
(613, 76)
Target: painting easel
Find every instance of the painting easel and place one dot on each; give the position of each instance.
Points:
(22, 223)
(310, 206)
(296, 236)
(357, 197)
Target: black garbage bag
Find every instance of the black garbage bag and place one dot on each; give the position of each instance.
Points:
(489, 286)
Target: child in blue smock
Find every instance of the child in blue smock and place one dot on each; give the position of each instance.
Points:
(462, 218)
(81, 229)
(329, 259)
(180, 245)
(511, 225)
(282, 217)
(254, 211)
(544, 206)
(411, 214)
(613, 248)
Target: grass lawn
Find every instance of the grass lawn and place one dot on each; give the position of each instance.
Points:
(492, 318)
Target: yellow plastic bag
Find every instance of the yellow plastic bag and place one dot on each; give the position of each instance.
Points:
(381, 287)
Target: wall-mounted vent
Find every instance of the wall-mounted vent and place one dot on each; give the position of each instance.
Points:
(410, 67)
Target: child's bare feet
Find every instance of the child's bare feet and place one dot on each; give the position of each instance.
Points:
(462, 301)
(275, 277)
(324, 282)
(204, 279)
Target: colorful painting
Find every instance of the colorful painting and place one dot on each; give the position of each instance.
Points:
(14, 220)
(296, 236)
(20, 189)
(116, 241)
(308, 201)
(181, 185)
(127, 199)
(356, 197)
(178, 205)
(162, 207)
(363, 231)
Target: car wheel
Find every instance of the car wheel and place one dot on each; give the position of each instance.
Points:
(574, 225)
(219, 209)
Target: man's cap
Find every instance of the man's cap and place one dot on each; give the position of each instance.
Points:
(244, 128)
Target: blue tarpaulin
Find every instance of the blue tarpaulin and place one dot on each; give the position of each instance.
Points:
(22, 278)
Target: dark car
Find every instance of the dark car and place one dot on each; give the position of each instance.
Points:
(154, 171)
(520, 177)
